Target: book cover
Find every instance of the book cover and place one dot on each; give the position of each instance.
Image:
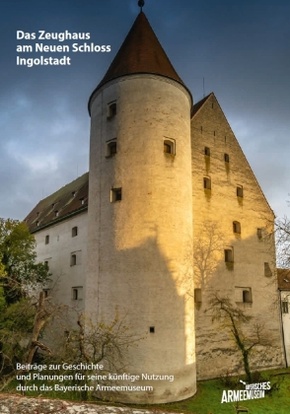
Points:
(144, 147)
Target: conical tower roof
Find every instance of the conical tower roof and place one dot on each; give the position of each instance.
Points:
(141, 52)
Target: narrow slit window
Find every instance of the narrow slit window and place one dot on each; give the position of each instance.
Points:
(73, 259)
(207, 151)
(285, 307)
(47, 239)
(226, 158)
(229, 255)
(206, 183)
(237, 227)
(74, 231)
(112, 110)
(152, 329)
(240, 191)
(197, 295)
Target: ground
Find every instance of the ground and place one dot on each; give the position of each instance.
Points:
(16, 404)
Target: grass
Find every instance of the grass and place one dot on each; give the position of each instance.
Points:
(208, 397)
(209, 394)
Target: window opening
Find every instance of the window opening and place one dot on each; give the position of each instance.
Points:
(226, 158)
(116, 194)
(112, 110)
(229, 255)
(206, 183)
(207, 151)
(237, 227)
(240, 191)
(111, 148)
(285, 307)
(169, 146)
(73, 259)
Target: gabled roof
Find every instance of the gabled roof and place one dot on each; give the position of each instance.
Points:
(199, 104)
(66, 202)
(283, 279)
(141, 52)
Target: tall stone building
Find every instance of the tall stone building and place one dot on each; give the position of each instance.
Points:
(172, 202)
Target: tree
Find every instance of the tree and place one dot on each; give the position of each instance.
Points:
(206, 253)
(282, 231)
(18, 268)
(246, 335)
(22, 316)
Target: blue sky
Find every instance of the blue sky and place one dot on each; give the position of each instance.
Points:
(240, 49)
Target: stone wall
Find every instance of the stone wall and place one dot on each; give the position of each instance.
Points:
(234, 253)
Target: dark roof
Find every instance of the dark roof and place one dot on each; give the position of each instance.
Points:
(141, 52)
(67, 201)
(283, 279)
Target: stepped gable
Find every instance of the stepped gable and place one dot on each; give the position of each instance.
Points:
(67, 201)
(141, 52)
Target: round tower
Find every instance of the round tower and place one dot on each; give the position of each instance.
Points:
(140, 218)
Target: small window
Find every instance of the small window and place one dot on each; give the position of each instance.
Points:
(116, 195)
(73, 259)
(47, 239)
(206, 183)
(240, 191)
(46, 292)
(267, 270)
(229, 255)
(259, 233)
(169, 146)
(207, 151)
(74, 231)
(111, 148)
(226, 158)
(237, 227)
(243, 294)
(247, 296)
(197, 296)
(285, 308)
(112, 110)
(77, 293)
(152, 329)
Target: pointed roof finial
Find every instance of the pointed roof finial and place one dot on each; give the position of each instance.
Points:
(141, 4)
